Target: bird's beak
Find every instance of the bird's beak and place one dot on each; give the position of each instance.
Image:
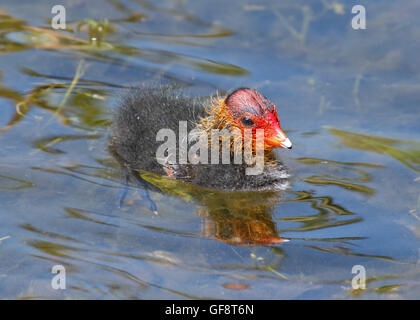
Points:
(277, 138)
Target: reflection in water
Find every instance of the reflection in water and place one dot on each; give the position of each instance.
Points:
(348, 251)
(59, 196)
(122, 288)
(327, 213)
(85, 215)
(344, 182)
(239, 218)
(246, 218)
(45, 144)
(17, 35)
(24, 36)
(76, 176)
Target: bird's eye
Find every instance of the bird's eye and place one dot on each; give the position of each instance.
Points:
(247, 121)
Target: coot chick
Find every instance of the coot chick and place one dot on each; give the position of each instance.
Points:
(144, 112)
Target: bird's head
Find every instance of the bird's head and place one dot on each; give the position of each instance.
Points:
(249, 109)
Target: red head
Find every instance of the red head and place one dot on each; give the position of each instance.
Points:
(251, 110)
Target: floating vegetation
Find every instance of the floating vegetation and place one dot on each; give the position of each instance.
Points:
(17, 184)
(381, 289)
(406, 152)
(97, 30)
(79, 73)
(388, 289)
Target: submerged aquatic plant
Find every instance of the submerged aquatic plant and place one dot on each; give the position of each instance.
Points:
(406, 152)
(97, 30)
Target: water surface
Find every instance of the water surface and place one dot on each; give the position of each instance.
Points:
(348, 99)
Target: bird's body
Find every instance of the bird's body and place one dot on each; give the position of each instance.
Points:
(143, 112)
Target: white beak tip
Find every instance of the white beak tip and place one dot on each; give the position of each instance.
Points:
(287, 144)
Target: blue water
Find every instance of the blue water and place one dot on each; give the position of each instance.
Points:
(348, 99)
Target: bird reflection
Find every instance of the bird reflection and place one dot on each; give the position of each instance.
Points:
(233, 217)
(241, 218)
